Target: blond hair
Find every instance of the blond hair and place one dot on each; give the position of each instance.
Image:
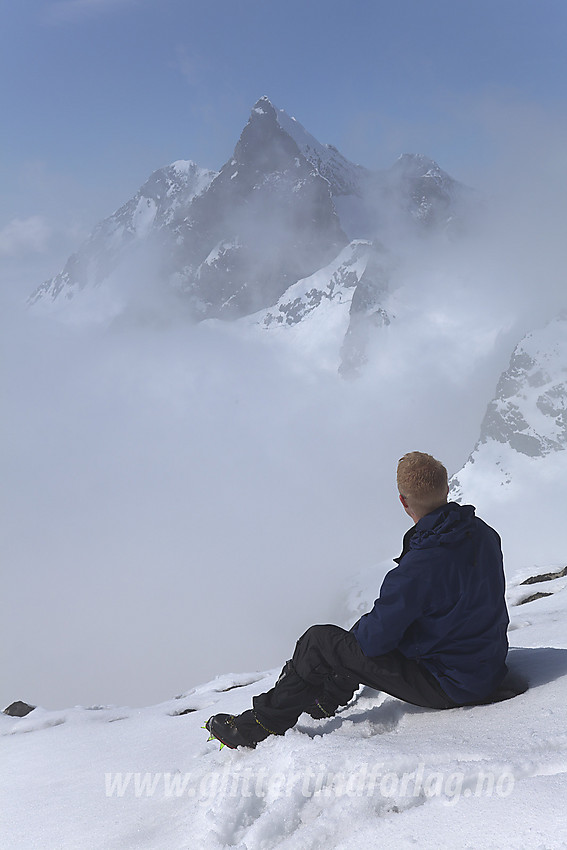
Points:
(422, 481)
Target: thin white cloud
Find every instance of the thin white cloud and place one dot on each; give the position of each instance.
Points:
(21, 236)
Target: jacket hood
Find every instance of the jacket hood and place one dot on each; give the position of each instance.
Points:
(444, 526)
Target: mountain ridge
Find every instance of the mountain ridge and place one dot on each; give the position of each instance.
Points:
(231, 242)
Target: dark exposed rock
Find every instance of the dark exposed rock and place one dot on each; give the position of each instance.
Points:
(533, 597)
(545, 577)
(19, 709)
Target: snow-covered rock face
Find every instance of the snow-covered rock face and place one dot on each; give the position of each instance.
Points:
(231, 243)
(157, 206)
(344, 177)
(529, 410)
(518, 467)
(335, 283)
(336, 308)
(423, 192)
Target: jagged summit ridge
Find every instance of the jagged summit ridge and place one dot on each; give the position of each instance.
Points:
(344, 176)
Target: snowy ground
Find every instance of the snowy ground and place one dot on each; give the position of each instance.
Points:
(381, 773)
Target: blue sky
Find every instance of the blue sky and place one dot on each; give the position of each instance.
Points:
(97, 94)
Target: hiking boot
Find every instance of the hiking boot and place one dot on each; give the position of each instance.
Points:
(242, 730)
(223, 727)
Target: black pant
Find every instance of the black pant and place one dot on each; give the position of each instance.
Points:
(329, 665)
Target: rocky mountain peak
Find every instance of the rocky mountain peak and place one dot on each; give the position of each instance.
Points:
(263, 145)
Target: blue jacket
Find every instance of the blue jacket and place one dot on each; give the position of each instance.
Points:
(443, 605)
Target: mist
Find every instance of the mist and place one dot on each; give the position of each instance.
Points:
(183, 500)
(179, 503)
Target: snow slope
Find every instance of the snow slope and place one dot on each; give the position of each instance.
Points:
(381, 773)
(321, 317)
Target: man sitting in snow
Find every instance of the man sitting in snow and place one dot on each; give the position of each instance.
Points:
(436, 637)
